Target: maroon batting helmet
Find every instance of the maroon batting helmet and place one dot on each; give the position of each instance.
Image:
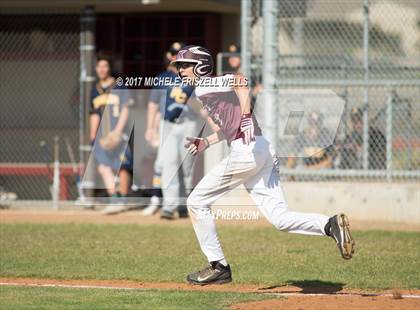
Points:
(197, 55)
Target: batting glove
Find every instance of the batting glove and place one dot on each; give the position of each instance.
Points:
(247, 128)
(196, 145)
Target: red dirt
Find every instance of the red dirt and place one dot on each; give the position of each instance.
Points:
(48, 216)
(231, 287)
(331, 302)
(344, 299)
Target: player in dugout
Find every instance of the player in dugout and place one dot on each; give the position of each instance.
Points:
(109, 112)
(173, 169)
(304, 153)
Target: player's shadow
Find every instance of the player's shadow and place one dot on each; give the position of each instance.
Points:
(309, 286)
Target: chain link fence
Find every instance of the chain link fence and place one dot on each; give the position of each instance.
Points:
(39, 61)
(368, 53)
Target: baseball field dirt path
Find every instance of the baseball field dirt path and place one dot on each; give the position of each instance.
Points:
(295, 297)
(331, 303)
(78, 215)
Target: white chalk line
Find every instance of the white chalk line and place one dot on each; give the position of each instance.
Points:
(148, 289)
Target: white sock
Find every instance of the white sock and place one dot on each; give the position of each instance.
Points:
(223, 262)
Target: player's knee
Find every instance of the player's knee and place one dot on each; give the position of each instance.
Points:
(193, 202)
(103, 169)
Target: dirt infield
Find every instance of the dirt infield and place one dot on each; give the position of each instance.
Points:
(332, 302)
(49, 216)
(295, 297)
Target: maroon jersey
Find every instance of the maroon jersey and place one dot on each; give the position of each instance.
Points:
(222, 105)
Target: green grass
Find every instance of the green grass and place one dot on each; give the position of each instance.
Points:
(71, 298)
(161, 253)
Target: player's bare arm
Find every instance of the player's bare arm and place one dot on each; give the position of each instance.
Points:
(247, 122)
(157, 121)
(243, 93)
(94, 119)
(122, 120)
(197, 145)
(200, 110)
(196, 105)
(152, 111)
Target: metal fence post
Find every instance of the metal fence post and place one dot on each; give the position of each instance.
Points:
(270, 53)
(388, 135)
(245, 37)
(366, 91)
(87, 80)
(298, 32)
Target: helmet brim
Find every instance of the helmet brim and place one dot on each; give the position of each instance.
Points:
(180, 61)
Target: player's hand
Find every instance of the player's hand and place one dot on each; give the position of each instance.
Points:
(196, 145)
(247, 128)
(149, 135)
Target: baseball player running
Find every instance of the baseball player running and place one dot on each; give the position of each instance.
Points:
(250, 162)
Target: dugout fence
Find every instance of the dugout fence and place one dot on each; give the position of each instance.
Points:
(367, 52)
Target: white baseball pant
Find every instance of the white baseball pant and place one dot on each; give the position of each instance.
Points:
(253, 166)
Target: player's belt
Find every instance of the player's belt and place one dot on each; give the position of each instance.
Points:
(178, 120)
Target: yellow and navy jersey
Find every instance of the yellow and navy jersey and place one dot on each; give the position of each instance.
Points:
(113, 98)
(172, 97)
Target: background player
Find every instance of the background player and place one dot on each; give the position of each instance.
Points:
(250, 162)
(312, 157)
(179, 119)
(351, 148)
(114, 120)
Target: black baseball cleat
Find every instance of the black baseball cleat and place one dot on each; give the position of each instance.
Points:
(215, 273)
(338, 227)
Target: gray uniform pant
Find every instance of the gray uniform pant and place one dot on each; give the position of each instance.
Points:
(174, 162)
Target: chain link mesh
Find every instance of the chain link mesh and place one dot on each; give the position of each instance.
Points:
(321, 44)
(40, 101)
(344, 46)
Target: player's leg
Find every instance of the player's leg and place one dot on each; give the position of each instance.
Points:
(105, 164)
(156, 191)
(108, 178)
(125, 179)
(170, 172)
(125, 171)
(115, 205)
(189, 129)
(266, 192)
(207, 191)
(227, 175)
